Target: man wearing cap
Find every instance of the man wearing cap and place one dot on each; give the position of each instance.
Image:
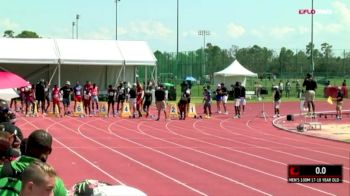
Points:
(66, 91)
(39, 147)
(310, 87)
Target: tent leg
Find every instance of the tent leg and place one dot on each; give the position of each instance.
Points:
(59, 75)
(54, 72)
(123, 72)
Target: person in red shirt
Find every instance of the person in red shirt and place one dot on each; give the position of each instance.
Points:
(56, 99)
(94, 98)
(139, 97)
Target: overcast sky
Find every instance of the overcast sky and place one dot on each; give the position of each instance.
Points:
(269, 23)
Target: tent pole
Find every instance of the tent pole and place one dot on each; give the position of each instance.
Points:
(124, 72)
(59, 75)
(54, 72)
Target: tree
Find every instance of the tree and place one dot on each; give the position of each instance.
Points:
(27, 34)
(9, 34)
(327, 50)
(286, 59)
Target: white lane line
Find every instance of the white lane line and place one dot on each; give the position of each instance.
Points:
(134, 160)
(76, 153)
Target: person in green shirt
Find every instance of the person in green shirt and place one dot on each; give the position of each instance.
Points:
(38, 148)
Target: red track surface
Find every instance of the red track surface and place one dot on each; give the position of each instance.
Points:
(220, 156)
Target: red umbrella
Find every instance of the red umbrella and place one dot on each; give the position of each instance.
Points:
(11, 80)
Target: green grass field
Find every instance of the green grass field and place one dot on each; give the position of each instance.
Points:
(197, 90)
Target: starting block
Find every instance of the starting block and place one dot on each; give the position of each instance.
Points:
(126, 113)
(54, 113)
(192, 111)
(79, 110)
(103, 108)
(173, 112)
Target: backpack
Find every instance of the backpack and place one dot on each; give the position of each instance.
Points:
(10, 180)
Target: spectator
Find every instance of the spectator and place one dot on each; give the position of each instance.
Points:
(339, 105)
(91, 187)
(38, 179)
(276, 101)
(160, 101)
(258, 89)
(6, 151)
(38, 148)
(310, 87)
(15, 135)
(243, 102)
(281, 87)
(6, 115)
(288, 88)
(298, 88)
(344, 83)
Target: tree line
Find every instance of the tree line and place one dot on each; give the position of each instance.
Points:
(284, 62)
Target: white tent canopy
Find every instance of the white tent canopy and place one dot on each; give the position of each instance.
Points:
(28, 51)
(232, 73)
(89, 52)
(101, 60)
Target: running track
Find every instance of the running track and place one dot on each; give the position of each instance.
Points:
(220, 156)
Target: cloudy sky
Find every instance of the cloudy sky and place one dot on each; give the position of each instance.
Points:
(269, 23)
